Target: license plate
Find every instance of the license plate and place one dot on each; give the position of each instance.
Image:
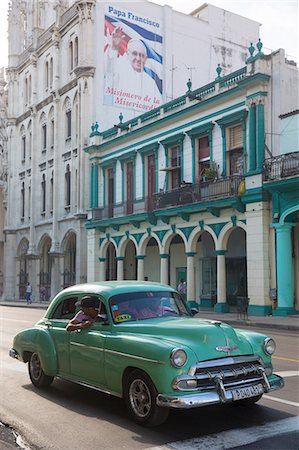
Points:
(246, 392)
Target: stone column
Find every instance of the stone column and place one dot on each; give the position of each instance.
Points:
(164, 268)
(93, 262)
(221, 305)
(190, 277)
(284, 265)
(102, 271)
(120, 267)
(140, 267)
(10, 288)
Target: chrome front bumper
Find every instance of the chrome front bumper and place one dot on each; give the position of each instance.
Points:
(210, 398)
(13, 353)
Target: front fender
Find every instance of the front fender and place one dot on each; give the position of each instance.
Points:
(152, 355)
(256, 341)
(37, 340)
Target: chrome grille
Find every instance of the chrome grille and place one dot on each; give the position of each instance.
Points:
(232, 370)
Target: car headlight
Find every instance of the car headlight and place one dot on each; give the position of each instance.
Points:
(178, 357)
(269, 346)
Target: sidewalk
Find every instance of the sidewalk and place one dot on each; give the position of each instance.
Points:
(290, 323)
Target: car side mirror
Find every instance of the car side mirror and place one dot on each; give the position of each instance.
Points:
(102, 318)
(194, 311)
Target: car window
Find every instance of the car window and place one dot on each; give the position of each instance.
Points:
(146, 305)
(66, 309)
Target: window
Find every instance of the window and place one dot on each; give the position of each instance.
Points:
(175, 167)
(29, 201)
(130, 187)
(67, 187)
(29, 89)
(52, 130)
(47, 75)
(51, 192)
(23, 201)
(44, 137)
(203, 155)
(43, 194)
(110, 191)
(26, 91)
(68, 124)
(71, 56)
(23, 148)
(76, 53)
(235, 150)
(51, 73)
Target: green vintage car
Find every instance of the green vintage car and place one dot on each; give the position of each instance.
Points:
(146, 347)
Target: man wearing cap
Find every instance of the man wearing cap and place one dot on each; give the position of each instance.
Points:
(86, 316)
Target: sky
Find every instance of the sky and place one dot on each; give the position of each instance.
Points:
(279, 19)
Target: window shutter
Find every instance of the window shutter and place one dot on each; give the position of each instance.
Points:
(235, 137)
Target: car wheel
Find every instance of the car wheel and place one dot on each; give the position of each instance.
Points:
(249, 401)
(140, 398)
(36, 373)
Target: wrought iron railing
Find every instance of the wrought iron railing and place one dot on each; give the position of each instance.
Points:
(199, 192)
(187, 193)
(282, 166)
(69, 278)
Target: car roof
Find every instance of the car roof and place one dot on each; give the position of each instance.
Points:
(108, 287)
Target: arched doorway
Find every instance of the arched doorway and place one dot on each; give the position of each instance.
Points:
(236, 266)
(177, 261)
(152, 264)
(111, 267)
(23, 267)
(205, 250)
(130, 266)
(69, 272)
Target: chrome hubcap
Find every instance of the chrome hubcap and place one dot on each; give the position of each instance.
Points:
(35, 366)
(140, 398)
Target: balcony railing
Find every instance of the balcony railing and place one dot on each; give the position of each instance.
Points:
(199, 192)
(282, 166)
(188, 193)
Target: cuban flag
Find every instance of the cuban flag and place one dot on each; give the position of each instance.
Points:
(152, 41)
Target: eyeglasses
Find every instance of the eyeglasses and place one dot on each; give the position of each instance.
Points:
(138, 54)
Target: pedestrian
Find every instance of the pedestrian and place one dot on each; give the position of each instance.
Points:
(28, 293)
(42, 293)
(182, 288)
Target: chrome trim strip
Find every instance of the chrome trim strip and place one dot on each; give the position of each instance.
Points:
(78, 344)
(127, 355)
(230, 360)
(114, 352)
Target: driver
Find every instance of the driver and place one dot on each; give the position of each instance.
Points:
(86, 316)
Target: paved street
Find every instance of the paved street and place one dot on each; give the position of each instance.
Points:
(67, 416)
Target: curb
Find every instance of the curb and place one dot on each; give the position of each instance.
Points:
(249, 323)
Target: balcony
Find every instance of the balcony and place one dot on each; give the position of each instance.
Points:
(280, 167)
(186, 194)
(204, 191)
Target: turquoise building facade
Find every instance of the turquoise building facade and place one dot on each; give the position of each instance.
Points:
(203, 188)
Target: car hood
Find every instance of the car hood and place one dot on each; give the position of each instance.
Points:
(205, 337)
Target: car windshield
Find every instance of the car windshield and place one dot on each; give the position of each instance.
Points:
(134, 306)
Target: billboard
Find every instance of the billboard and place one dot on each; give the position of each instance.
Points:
(133, 60)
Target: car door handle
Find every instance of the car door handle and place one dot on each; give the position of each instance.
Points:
(48, 324)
